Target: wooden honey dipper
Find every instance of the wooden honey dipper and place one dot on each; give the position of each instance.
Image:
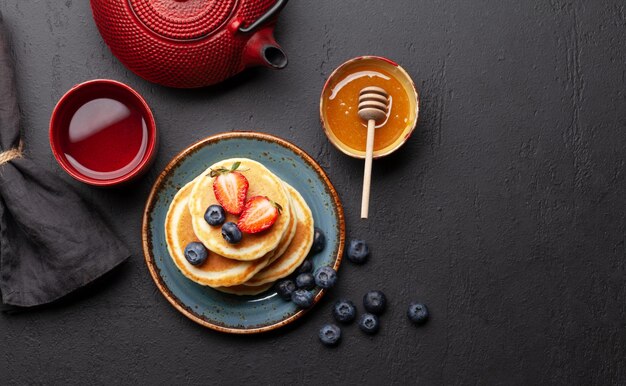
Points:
(373, 108)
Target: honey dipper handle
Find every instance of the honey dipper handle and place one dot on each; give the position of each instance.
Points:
(367, 176)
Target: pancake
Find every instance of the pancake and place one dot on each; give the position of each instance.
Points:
(262, 183)
(217, 270)
(291, 231)
(243, 289)
(297, 250)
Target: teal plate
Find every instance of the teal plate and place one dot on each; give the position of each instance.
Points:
(204, 305)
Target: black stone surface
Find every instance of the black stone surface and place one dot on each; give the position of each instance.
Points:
(504, 213)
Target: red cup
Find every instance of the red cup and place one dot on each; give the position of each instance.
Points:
(103, 121)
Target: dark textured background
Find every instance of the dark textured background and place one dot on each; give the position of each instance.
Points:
(504, 213)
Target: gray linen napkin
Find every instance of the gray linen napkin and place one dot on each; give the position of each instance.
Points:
(51, 242)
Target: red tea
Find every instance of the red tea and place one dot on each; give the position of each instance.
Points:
(106, 138)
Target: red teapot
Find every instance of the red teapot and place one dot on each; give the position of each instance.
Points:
(190, 43)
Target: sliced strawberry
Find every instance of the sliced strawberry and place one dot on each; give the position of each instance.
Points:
(259, 214)
(230, 188)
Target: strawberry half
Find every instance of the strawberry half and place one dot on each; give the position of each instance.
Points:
(259, 214)
(230, 188)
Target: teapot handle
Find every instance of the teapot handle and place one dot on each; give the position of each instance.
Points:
(276, 8)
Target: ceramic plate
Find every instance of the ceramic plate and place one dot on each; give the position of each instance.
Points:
(204, 305)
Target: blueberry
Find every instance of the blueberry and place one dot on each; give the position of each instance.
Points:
(369, 324)
(344, 311)
(358, 251)
(306, 266)
(319, 241)
(285, 288)
(302, 298)
(305, 281)
(417, 313)
(215, 215)
(330, 334)
(231, 233)
(325, 277)
(375, 302)
(196, 253)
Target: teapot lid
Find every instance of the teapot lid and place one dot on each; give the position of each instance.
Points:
(183, 19)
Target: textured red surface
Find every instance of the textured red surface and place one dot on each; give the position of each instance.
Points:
(183, 20)
(182, 44)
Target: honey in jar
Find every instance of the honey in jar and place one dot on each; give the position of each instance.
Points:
(340, 100)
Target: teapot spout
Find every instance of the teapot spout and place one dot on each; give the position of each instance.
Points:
(274, 57)
(262, 50)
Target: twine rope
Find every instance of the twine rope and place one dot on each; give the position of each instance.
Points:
(12, 154)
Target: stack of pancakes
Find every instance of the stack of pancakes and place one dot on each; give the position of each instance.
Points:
(254, 264)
